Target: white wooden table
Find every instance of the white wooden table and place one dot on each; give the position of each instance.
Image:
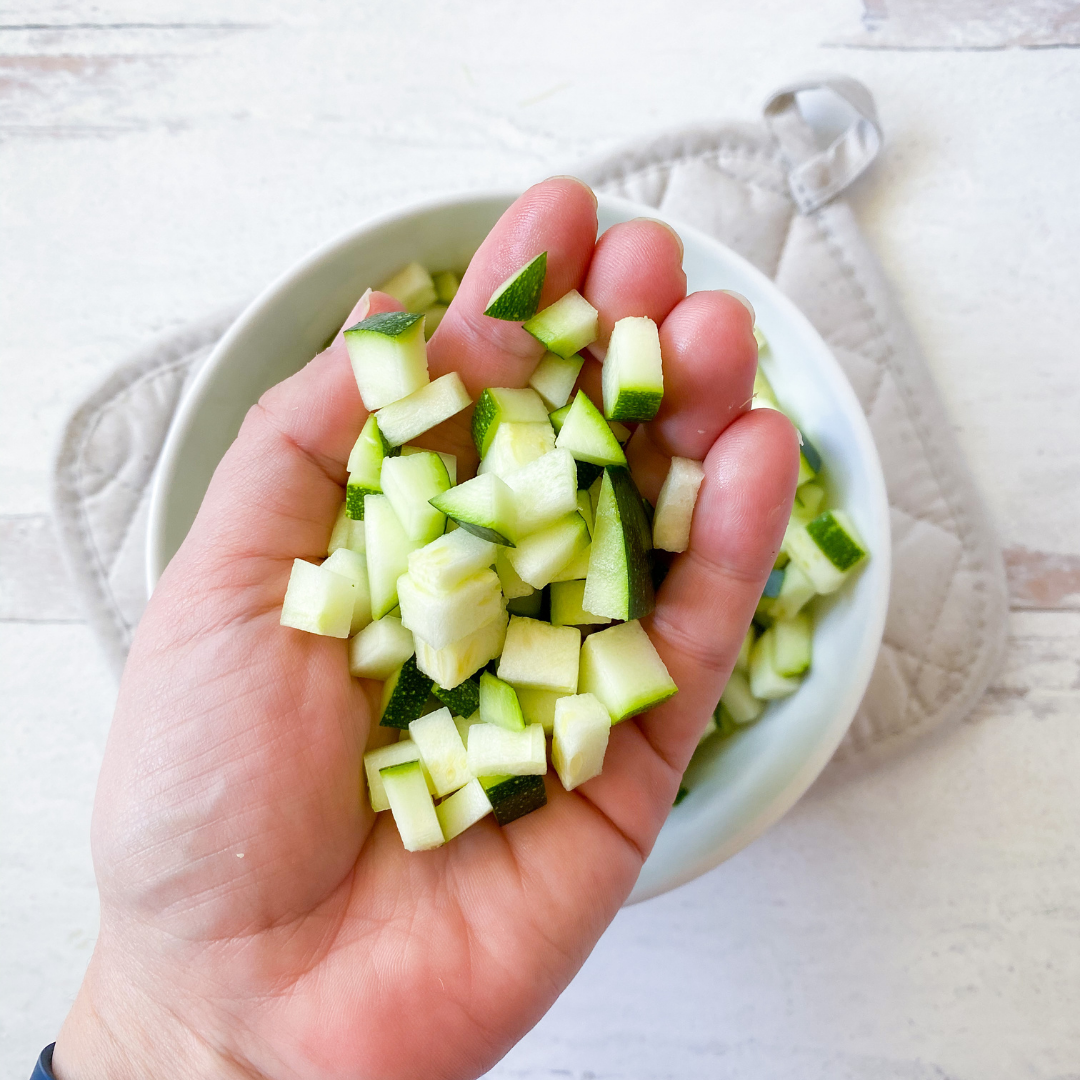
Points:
(159, 160)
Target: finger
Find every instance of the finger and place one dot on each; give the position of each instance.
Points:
(557, 216)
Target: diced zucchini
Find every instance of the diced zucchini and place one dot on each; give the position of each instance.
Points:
(585, 508)
(739, 702)
(826, 550)
(484, 505)
(622, 668)
(448, 560)
(442, 617)
(495, 751)
(446, 285)
(544, 491)
(809, 460)
(462, 809)
(558, 416)
(517, 298)
(538, 655)
(427, 406)
(388, 548)
(365, 467)
(711, 727)
(499, 703)
(513, 797)
(463, 723)
(393, 754)
(538, 706)
(588, 474)
(318, 600)
(808, 500)
(512, 585)
(449, 460)
(621, 432)
(405, 694)
(585, 433)
(675, 506)
(517, 443)
(554, 378)
(539, 556)
(441, 750)
(412, 806)
(530, 606)
(411, 287)
(566, 606)
(461, 700)
(580, 739)
(380, 649)
(567, 326)
(432, 317)
(742, 661)
(619, 583)
(766, 683)
(353, 565)
(451, 665)
(633, 374)
(389, 357)
(577, 569)
(499, 405)
(764, 398)
(346, 533)
(795, 591)
(410, 483)
(792, 645)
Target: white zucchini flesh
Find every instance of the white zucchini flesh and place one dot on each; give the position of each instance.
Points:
(499, 703)
(540, 655)
(580, 739)
(424, 408)
(388, 549)
(463, 723)
(449, 460)
(495, 751)
(588, 436)
(796, 591)
(448, 560)
(352, 565)
(792, 647)
(554, 378)
(633, 372)
(346, 533)
(463, 809)
(512, 585)
(380, 649)
(394, 753)
(484, 505)
(444, 616)
(567, 326)
(409, 483)
(516, 444)
(742, 662)
(576, 569)
(766, 683)
(538, 706)
(456, 662)
(540, 556)
(412, 806)
(412, 287)
(499, 405)
(567, 598)
(543, 491)
(446, 285)
(622, 668)
(389, 357)
(675, 505)
(820, 564)
(441, 750)
(318, 601)
(737, 699)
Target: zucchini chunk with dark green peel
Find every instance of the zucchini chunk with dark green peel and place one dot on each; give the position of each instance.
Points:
(365, 468)
(512, 797)
(484, 505)
(809, 460)
(554, 378)
(461, 700)
(502, 404)
(567, 326)
(389, 356)
(405, 694)
(518, 297)
(499, 703)
(633, 374)
(619, 583)
(586, 434)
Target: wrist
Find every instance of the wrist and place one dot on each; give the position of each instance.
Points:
(114, 1030)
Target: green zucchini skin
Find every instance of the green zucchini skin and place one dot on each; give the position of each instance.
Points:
(515, 796)
(637, 540)
(517, 298)
(405, 694)
(462, 700)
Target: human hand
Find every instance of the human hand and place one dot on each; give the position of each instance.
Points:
(257, 919)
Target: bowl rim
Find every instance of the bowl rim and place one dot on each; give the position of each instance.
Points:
(829, 736)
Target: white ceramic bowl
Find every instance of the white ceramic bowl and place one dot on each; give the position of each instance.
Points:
(741, 785)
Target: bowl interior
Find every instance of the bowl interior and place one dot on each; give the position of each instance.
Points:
(740, 785)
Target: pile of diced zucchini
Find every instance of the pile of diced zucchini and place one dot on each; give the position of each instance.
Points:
(821, 549)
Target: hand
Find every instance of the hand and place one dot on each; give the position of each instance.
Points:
(257, 919)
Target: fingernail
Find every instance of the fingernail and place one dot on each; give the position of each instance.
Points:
(575, 180)
(742, 300)
(678, 238)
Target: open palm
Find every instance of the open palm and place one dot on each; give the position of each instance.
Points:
(256, 918)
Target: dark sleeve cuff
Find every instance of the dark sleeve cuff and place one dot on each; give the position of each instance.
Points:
(43, 1068)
